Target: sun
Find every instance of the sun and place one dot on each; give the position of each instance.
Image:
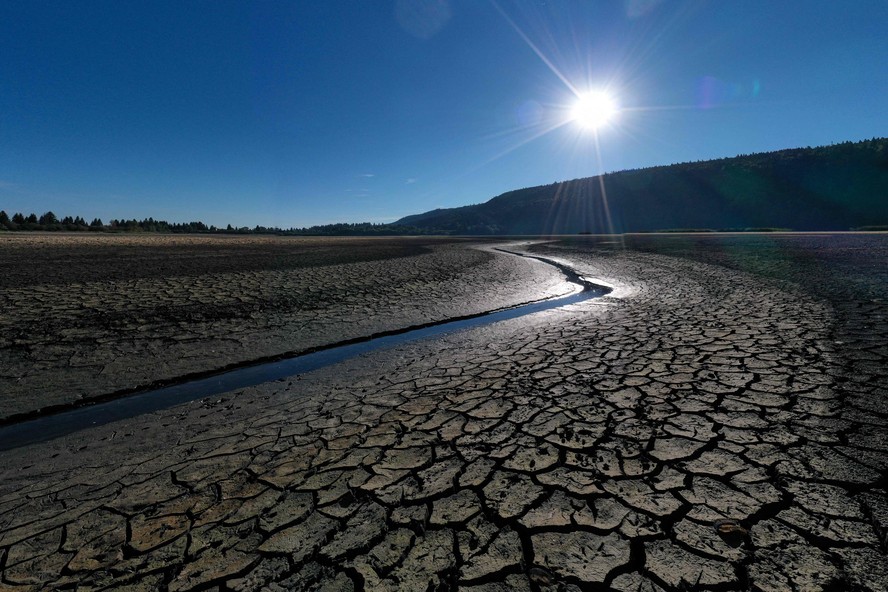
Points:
(594, 109)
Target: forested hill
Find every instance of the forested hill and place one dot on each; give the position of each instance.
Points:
(837, 187)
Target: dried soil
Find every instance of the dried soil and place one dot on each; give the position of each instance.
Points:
(85, 316)
(597, 446)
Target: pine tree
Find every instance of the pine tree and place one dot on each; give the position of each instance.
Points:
(48, 219)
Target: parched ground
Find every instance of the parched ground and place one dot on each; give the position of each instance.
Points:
(89, 315)
(590, 447)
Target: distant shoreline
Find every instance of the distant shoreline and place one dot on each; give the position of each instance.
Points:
(493, 237)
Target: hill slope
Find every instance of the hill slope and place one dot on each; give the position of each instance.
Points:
(834, 187)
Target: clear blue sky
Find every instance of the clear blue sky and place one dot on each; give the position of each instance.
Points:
(301, 113)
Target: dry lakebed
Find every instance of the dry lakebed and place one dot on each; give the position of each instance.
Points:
(716, 421)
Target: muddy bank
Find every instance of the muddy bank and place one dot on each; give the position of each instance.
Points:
(54, 422)
(591, 447)
(88, 316)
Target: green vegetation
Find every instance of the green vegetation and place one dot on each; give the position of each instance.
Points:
(48, 222)
(835, 187)
(838, 187)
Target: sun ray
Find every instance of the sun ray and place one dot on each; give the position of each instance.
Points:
(535, 49)
(526, 140)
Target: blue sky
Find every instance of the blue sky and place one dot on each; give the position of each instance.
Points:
(302, 113)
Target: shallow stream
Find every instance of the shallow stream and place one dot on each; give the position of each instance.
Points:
(64, 422)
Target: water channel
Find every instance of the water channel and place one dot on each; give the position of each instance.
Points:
(41, 429)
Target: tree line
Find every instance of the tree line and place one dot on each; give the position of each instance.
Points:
(836, 187)
(49, 222)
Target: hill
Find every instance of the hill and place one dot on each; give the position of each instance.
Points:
(837, 187)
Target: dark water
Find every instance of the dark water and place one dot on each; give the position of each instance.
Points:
(72, 420)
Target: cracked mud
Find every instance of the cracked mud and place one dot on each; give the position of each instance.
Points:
(718, 422)
(85, 316)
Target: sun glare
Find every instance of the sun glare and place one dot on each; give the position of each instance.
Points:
(594, 110)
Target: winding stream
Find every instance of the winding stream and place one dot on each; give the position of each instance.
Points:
(49, 426)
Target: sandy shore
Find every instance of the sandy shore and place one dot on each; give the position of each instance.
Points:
(589, 447)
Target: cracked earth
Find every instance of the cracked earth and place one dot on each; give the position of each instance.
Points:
(718, 422)
(85, 316)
